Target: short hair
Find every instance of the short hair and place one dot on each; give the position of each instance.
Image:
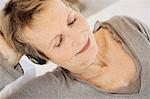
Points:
(17, 14)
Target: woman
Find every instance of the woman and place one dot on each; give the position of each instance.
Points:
(112, 63)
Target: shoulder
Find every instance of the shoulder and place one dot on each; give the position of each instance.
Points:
(47, 85)
(38, 86)
(125, 19)
(115, 21)
(129, 24)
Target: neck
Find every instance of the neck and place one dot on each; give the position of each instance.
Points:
(92, 70)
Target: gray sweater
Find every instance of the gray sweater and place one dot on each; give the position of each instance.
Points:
(59, 84)
(7, 73)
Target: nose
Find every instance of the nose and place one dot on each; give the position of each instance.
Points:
(78, 38)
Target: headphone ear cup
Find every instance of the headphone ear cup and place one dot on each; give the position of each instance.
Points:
(38, 60)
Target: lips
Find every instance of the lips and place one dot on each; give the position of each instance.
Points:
(85, 47)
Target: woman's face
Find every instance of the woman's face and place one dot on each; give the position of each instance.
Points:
(63, 35)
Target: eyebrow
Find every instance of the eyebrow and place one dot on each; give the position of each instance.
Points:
(69, 14)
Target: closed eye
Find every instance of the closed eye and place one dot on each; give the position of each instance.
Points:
(72, 22)
(59, 41)
(71, 18)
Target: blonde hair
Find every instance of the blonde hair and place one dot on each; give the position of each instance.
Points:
(17, 14)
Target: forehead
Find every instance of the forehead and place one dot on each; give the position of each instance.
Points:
(51, 19)
(54, 12)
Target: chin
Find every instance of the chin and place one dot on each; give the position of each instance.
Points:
(93, 50)
(92, 54)
(89, 56)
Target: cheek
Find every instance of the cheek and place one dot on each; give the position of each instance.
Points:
(82, 22)
(39, 40)
(61, 55)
